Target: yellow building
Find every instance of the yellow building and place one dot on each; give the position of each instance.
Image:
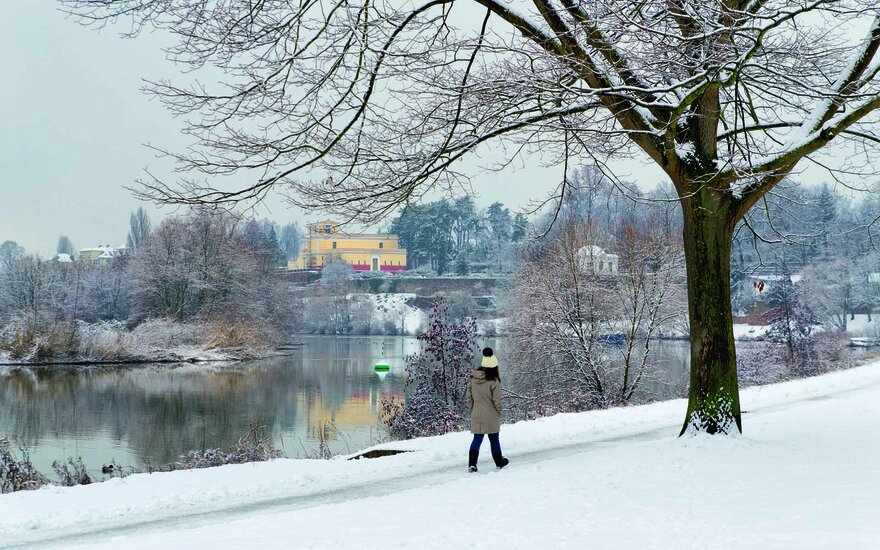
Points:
(327, 243)
(102, 254)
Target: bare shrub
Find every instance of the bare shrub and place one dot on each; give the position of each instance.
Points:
(436, 379)
(163, 333)
(761, 363)
(832, 349)
(235, 333)
(17, 473)
(71, 473)
(256, 446)
(18, 339)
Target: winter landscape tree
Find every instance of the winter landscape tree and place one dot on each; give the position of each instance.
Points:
(791, 322)
(65, 246)
(726, 97)
(436, 378)
(9, 250)
(140, 229)
(290, 240)
(589, 328)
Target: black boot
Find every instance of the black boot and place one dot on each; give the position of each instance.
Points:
(500, 461)
(472, 460)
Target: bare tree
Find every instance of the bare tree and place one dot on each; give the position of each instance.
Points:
(727, 97)
(10, 250)
(565, 323)
(140, 229)
(199, 265)
(555, 325)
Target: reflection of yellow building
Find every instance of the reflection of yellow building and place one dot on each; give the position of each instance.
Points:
(326, 243)
(360, 410)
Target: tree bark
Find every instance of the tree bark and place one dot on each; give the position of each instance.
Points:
(713, 398)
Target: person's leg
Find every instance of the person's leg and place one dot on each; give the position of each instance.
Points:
(495, 444)
(474, 452)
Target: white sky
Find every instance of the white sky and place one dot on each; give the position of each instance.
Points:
(75, 123)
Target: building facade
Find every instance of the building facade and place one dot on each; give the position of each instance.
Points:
(102, 254)
(598, 261)
(326, 243)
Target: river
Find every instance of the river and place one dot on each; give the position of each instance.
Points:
(148, 415)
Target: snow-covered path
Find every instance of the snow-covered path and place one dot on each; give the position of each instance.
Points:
(805, 475)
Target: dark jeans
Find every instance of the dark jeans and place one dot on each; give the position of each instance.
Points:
(494, 443)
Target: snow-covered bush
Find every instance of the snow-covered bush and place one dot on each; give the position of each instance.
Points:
(256, 446)
(761, 363)
(163, 333)
(436, 379)
(17, 473)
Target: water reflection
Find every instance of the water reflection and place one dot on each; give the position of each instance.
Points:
(149, 415)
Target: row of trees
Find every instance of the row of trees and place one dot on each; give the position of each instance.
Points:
(204, 266)
(456, 235)
(280, 243)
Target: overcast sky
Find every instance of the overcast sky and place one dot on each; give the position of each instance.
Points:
(75, 123)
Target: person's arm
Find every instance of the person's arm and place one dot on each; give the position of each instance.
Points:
(470, 397)
(496, 396)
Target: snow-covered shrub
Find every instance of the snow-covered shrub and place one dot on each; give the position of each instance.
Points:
(253, 447)
(761, 363)
(18, 338)
(162, 334)
(104, 340)
(436, 379)
(791, 324)
(17, 473)
(71, 473)
(833, 351)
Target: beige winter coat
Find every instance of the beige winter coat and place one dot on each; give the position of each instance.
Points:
(484, 400)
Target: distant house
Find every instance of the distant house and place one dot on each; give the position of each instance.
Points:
(326, 243)
(601, 262)
(758, 285)
(102, 254)
(62, 258)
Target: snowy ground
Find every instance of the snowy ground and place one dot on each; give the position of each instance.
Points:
(804, 475)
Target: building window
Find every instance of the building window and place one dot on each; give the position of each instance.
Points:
(334, 245)
(327, 229)
(381, 245)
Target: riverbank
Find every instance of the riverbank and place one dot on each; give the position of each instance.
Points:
(153, 341)
(806, 454)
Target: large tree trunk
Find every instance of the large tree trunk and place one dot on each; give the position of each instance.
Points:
(713, 399)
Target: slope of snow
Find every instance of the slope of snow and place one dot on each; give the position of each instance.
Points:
(804, 475)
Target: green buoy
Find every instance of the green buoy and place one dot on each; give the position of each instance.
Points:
(382, 365)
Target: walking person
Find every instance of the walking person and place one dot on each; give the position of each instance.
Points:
(484, 400)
